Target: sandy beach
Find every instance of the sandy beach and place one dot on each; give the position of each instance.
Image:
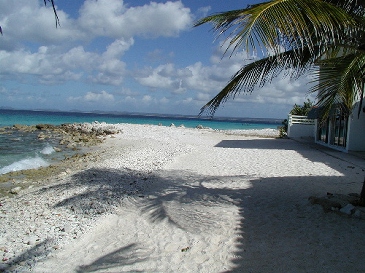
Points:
(174, 199)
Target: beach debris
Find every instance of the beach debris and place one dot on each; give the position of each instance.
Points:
(45, 127)
(4, 249)
(42, 136)
(24, 128)
(185, 249)
(57, 149)
(31, 240)
(327, 204)
(341, 204)
(348, 209)
(15, 190)
(199, 126)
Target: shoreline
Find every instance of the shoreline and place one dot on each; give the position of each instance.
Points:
(77, 154)
(72, 142)
(172, 199)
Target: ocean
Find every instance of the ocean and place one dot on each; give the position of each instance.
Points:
(20, 150)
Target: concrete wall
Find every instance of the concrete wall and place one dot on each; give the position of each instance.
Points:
(356, 131)
(301, 130)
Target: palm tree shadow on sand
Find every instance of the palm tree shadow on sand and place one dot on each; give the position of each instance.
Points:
(103, 190)
(277, 231)
(120, 257)
(39, 252)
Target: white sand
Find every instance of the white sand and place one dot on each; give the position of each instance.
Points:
(164, 199)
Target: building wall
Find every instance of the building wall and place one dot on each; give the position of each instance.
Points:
(356, 131)
(301, 130)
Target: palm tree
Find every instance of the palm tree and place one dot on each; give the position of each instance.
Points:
(323, 37)
(294, 37)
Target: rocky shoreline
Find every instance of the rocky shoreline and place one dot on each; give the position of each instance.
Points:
(30, 225)
(53, 207)
(74, 140)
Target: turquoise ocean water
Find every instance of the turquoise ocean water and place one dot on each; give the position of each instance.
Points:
(20, 150)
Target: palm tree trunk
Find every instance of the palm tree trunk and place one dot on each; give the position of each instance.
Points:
(362, 195)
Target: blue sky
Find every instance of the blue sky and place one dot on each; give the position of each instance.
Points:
(133, 56)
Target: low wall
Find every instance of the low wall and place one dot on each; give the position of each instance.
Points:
(300, 126)
(301, 130)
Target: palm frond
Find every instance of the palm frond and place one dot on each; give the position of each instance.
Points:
(258, 73)
(54, 11)
(263, 26)
(355, 7)
(340, 81)
(300, 35)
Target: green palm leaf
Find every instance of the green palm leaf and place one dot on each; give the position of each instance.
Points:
(341, 81)
(294, 36)
(258, 73)
(263, 26)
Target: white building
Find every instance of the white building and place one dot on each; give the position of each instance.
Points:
(340, 131)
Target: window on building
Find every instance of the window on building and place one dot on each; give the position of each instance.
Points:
(338, 134)
(323, 131)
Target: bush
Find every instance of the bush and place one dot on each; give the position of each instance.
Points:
(302, 110)
(283, 130)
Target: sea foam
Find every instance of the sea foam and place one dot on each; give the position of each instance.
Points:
(47, 150)
(25, 164)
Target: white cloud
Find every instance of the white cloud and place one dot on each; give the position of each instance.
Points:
(147, 99)
(197, 76)
(101, 97)
(203, 11)
(101, 17)
(159, 55)
(77, 58)
(108, 18)
(110, 72)
(164, 100)
(282, 91)
(203, 97)
(113, 19)
(163, 77)
(118, 48)
(3, 90)
(126, 92)
(30, 20)
(44, 64)
(50, 65)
